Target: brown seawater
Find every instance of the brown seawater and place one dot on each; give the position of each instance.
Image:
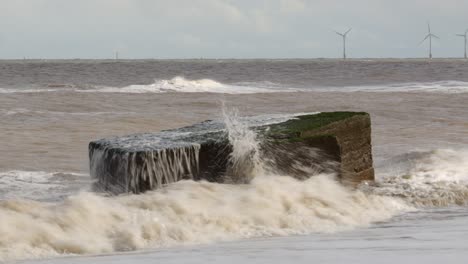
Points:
(51, 110)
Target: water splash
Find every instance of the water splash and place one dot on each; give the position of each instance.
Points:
(432, 179)
(245, 160)
(229, 151)
(186, 212)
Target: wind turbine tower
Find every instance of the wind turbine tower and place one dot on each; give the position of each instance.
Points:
(429, 36)
(464, 36)
(343, 35)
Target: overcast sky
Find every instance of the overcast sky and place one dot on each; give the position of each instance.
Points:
(228, 28)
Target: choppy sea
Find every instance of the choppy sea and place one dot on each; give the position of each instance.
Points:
(416, 211)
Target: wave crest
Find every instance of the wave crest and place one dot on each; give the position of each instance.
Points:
(426, 87)
(181, 85)
(434, 178)
(184, 213)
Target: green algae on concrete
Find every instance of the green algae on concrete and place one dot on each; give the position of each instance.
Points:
(345, 136)
(293, 130)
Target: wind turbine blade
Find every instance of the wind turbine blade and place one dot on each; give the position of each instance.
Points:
(347, 31)
(424, 39)
(460, 35)
(338, 33)
(429, 28)
(435, 36)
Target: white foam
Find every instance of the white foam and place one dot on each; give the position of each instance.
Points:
(430, 87)
(441, 165)
(11, 90)
(435, 178)
(24, 111)
(181, 85)
(186, 212)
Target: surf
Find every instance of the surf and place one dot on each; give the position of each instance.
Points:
(189, 212)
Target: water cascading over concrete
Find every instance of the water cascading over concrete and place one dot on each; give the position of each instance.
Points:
(301, 147)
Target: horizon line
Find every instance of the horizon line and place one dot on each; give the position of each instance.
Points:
(234, 58)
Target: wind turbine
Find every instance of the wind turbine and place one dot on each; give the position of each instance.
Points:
(343, 35)
(429, 36)
(464, 36)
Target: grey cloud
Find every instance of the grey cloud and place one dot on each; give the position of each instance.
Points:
(222, 28)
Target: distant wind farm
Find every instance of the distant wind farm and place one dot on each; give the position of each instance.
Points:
(429, 36)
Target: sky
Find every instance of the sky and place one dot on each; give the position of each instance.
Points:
(138, 29)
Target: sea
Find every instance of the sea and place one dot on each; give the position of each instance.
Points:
(416, 211)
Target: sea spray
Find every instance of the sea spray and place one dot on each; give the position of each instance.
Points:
(186, 212)
(245, 161)
(254, 153)
(428, 179)
(226, 152)
(189, 212)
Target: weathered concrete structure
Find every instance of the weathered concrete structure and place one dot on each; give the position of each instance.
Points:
(345, 136)
(300, 147)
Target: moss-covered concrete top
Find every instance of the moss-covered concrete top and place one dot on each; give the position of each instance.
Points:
(294, 127)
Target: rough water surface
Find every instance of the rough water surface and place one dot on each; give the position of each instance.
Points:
(51, 110)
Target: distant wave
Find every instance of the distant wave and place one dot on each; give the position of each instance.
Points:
(181, 85)
(13, 90)
(40, 185)
(430, 87)
(29, 112)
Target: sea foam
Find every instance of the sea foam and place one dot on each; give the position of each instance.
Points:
(447, 86)
(433, 178)
(186, 212)
(189, 212)
(182, 85)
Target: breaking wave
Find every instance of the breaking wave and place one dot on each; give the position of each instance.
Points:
(186, 212)
(189, 212)
(181, 85)
(434, 178)
(12, 90)
(429, 87)
(175, 85)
